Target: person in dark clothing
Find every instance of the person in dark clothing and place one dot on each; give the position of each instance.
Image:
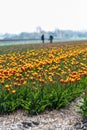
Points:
(42, 38)
(51, 38)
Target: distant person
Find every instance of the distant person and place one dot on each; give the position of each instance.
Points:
(51, 38)
(42, 38)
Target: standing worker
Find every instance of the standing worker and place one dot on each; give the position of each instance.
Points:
(51, 38)
(42, 38)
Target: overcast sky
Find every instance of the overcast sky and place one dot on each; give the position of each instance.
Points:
(26, 15)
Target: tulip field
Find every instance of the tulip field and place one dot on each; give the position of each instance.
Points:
(42, 76)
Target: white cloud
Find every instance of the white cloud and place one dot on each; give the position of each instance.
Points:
(25, 15)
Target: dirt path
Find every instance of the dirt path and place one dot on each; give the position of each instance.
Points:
(63, 119)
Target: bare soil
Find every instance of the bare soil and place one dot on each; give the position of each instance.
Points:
(63, 119)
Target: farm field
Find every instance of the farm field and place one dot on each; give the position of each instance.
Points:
(41, 76)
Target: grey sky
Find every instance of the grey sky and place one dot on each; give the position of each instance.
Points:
(26, 15)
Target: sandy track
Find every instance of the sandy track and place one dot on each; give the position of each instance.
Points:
(63, 119)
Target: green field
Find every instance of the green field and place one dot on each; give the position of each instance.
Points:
(36, 77)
